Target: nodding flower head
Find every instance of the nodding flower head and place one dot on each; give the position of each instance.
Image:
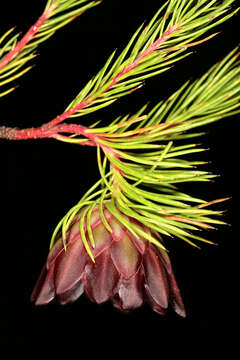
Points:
(125, 269)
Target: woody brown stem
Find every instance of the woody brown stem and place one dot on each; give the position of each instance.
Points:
(40, 132)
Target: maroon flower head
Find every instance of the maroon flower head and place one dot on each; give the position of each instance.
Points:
(128, 271)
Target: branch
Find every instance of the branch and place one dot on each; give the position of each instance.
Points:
(31, 33)
(15, 54)
(151, 51)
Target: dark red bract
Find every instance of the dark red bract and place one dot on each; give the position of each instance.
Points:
(127, 271)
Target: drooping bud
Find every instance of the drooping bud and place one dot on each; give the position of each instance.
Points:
(127, 270)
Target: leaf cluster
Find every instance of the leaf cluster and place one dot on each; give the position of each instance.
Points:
(148, 162)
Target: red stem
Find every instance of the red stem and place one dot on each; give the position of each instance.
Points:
(130, 67)
(51, 129)
(147, 52)
(26, 38)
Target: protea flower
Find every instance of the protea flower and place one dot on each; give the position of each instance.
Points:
(126, 270)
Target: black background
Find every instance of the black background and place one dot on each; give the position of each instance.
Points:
(40, 180)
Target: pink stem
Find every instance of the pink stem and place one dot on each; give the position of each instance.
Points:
(118, 77)
(147, 52)
(26, 38)
(51, 129)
